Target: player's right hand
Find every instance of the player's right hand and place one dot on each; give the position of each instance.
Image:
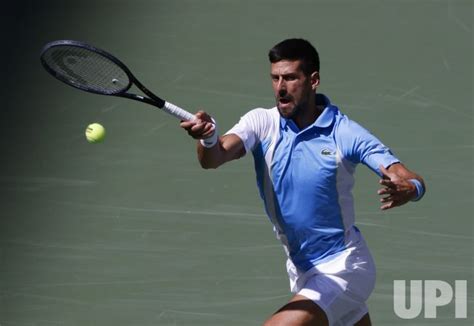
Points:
(200, 128)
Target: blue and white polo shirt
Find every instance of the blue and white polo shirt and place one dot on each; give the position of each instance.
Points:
(305, 177)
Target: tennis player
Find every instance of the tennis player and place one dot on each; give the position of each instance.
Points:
(306, 151)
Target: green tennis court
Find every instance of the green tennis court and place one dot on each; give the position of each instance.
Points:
(133, 232)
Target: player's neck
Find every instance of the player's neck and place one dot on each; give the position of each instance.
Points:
(308, 115)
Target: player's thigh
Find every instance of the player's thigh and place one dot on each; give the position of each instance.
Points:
(300, 311)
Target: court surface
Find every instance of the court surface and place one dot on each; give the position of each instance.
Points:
(133, 232)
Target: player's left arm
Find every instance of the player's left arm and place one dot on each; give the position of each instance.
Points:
(400, 186)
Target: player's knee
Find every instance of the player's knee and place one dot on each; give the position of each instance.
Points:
(279, 322)
(269, 323)
(296, 321)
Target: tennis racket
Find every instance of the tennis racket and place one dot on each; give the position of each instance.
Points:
(96, 71)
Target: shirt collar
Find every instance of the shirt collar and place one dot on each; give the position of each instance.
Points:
(324, 120)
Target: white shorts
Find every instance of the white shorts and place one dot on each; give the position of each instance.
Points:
(340, 285)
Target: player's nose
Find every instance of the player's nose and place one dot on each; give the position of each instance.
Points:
(282, 92)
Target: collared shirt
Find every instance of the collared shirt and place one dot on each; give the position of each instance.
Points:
(305, 177)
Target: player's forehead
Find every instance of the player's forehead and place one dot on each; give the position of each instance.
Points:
(285, 67)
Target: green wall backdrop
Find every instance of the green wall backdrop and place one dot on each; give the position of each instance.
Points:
(132, 232)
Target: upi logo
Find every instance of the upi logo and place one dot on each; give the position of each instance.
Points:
(430, 293)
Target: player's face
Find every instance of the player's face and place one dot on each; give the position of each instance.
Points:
(292, 88)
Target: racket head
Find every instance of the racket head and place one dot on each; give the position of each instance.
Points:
(85, 67)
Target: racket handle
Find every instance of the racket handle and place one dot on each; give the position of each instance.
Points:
(178, 112)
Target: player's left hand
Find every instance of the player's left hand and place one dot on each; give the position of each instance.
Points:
(398, 190)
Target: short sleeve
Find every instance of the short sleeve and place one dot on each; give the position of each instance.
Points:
(251, 127)
(358, 145)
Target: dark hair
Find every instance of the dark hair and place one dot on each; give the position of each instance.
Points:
(296, 49)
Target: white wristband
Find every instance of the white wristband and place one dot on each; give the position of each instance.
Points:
(211, 141)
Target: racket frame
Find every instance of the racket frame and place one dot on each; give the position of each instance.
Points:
(152, 100)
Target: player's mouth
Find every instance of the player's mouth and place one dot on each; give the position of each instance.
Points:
(284, 101)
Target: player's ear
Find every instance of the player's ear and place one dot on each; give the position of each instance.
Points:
(314, 80)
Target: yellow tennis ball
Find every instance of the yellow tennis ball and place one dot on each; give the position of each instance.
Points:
(95, 133)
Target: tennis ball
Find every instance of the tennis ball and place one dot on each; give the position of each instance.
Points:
(95, 133)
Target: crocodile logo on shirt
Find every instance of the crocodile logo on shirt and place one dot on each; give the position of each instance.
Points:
(327, 152)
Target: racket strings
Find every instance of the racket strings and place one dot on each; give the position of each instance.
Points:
(87, 69)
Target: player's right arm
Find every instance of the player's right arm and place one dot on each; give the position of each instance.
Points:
(228, 147)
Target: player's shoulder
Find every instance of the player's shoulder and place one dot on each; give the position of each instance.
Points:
(262, 116)
(263, 123)
(333, 117)
(272, 112)
(345, 126)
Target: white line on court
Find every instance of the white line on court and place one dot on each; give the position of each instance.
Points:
(408, 92)
(160, 210)
(110, 107)
(457, 20)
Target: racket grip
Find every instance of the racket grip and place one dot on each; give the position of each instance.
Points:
(178, 112)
